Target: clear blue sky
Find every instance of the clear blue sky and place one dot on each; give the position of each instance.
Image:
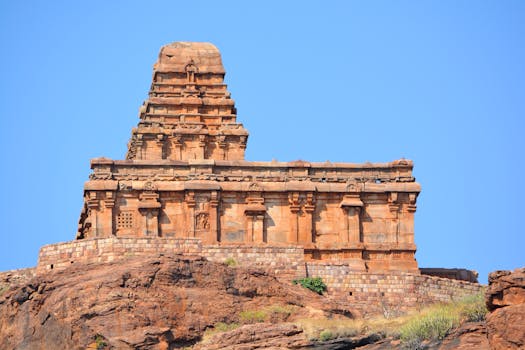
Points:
(438, 82)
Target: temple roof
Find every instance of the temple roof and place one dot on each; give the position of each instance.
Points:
(176, 56)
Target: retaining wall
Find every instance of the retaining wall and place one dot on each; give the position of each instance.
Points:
(389, 292)
(61, 255)
(285, 262)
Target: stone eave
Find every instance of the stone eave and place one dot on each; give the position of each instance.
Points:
(267, 187)
(251, 164)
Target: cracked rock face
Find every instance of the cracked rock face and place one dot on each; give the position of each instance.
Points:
(506, 300)
(138, 303)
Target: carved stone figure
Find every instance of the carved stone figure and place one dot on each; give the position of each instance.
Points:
(202, 221)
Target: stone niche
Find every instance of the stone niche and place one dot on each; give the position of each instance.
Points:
(185, 176)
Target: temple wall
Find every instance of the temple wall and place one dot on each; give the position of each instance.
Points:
(373, 227)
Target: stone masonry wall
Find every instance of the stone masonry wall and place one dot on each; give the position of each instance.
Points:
(388, 293)
(61, 255)
(285, 262)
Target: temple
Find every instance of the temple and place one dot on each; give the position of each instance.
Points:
(185, 176)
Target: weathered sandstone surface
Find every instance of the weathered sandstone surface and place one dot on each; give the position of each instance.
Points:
(169, 302)
(506, 300)
(164, 302)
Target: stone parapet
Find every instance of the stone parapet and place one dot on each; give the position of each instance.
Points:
(60, 255)
(388, 293)
(456, 274)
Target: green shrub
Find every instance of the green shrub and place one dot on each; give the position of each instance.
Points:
(315, 284)
(100, 342)
(325, 335)
(230, 262)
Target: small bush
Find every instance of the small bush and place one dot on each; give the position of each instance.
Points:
(315, 284)
(325, 335)
(100, 342)
(230, 262)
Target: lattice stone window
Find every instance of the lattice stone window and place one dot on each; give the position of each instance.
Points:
(125, 220)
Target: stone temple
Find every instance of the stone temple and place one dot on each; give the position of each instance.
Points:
(185, 176)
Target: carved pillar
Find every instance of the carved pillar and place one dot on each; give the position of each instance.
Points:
(354, 224)
(408, 218)
(214, 220)
(309, 208)
(254, 227)
(160, 146)
(139, 143)
(150, 222)
(176, 147)
(394, 206)
(352, 205)
(202, 147)
(108, 219)
(242, 147)
(190, 203)
(93, 207)
(149, 207)
(295, 211)
(249, 237)
(255, 212)
(222, 146)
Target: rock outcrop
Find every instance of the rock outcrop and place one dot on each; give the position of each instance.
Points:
(506, 301)
(163, 302)
(176, 301)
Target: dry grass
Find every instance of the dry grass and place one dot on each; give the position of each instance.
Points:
(430, 323)
(273, 313)
(317, 328)
(219, 327)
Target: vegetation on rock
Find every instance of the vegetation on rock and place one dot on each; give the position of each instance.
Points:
(436, 322)
(432, 323)
(315, 284)
(230, 262)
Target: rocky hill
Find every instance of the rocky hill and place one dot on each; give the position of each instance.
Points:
(174, 302)
(148, 303)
